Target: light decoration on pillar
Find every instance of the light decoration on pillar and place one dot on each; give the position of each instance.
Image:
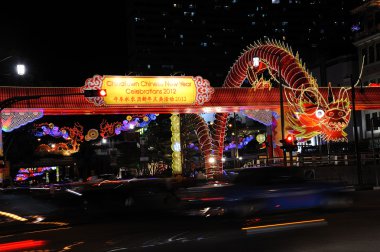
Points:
(14, 119)
(176, 144)
(205, 143)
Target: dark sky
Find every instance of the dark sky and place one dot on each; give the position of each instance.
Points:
(63, 42)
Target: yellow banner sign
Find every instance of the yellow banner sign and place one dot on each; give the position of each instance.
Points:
(127, 90)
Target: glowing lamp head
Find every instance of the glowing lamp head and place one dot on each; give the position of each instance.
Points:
(20, 68)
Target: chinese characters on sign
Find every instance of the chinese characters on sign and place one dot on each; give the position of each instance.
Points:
(126, 90)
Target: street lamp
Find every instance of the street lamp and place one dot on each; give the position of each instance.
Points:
(256, 63)
(20, 69)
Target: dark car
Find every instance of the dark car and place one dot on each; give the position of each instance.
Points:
(263, 190)
(138, 194)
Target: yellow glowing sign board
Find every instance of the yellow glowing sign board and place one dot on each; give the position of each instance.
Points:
(125, 90)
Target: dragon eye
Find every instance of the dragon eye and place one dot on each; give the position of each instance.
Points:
(331, 113)
(340, 113)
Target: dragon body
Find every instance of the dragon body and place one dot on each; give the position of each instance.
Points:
(309, 113)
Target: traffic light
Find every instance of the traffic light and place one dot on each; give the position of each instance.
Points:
(290, 139)
(289, 143)
(95, 93)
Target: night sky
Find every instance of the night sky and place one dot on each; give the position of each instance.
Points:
(64, 43)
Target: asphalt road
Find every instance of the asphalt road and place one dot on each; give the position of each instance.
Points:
(356, 229)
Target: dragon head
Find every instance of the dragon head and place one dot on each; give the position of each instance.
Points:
(311, 117)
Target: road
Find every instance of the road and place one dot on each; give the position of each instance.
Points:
(356, 229)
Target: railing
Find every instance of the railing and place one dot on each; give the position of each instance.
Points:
(331, 167)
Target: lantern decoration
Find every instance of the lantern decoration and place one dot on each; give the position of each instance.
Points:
(260, 138)
(92, 134)
(176, 144)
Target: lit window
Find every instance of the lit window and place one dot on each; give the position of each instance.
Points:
(275, 1)
(204, 44)
(253, 23)
(181, 36)
(148, 66)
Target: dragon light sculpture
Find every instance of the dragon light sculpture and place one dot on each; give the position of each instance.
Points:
(309, 112)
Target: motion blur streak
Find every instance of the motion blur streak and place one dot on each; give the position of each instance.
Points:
(284, 224)
(73, 192)
(52, 223)
(69, 247)
(27, 244)
(12, 216)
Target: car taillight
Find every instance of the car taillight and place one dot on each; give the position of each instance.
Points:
(212, 199)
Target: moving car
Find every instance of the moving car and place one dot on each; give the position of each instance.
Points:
(137, 194)
(263, 190)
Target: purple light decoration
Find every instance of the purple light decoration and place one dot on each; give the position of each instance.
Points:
(355, 27)
(137, 122)
(244, 142)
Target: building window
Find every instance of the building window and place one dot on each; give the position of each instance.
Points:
(371, 54)
(275, 1)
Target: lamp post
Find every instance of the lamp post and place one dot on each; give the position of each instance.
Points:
(256, 62)
(356, 135)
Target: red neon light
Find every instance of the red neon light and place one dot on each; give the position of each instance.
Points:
(21, 245)
(374, 85)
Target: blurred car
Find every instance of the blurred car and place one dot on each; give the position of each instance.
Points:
(263, 190)
(137, 194)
